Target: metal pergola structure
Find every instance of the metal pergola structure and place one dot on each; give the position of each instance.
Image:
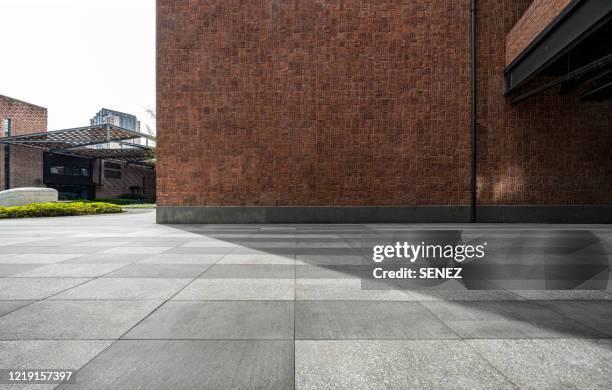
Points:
(78, 142)
(573, 53)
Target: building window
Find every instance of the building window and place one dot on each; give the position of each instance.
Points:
(68, 170)
(6, 127)
(112, 174)
(112, 165)
(112, 170)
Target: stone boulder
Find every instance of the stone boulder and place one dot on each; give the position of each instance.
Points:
(27, 195)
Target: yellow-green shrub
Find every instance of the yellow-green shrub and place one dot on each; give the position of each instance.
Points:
(57, 209)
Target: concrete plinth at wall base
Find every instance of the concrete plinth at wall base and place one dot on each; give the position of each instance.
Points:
(383, 214)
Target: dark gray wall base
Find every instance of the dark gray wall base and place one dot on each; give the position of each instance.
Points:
(546, 214)
(374, 214)
(231, 214)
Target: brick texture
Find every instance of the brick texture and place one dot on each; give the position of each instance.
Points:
(131, 175)
(26, 163)
(354, 102)
(313, 102)
(549, 150)
(535, 19)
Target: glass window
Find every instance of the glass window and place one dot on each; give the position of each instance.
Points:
(112, 174)
(68, 171)
(6, 127)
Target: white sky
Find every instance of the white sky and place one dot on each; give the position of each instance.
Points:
(77, 56)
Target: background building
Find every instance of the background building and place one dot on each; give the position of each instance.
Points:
(30, 157)
(20, 166)
(120, 119)
(111, 117)
(358, 110)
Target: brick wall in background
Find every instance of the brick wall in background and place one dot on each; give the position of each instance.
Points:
(357, 102)
(26, 164)
(548, 150)
(535, 19)
(313, 103)
(26, 167)
(131, 175)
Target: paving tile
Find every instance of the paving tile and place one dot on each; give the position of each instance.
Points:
(333, 260)
(324, 244)
(125, 288)
(218, 320)
(48, 250)
(35, 288)
(9, 306)
(594, 314)
(107, 258)
(156, 242)
(149, 250)
(256, 259)
(551, 364)
(335, 320)
(345, 289)
(181, 250)
(12, 269)
(159, 271)
(9, 240)
(255, 271)
(552, 295)
(211, 243)
(102, 242)
(506, 320)
(263, 244)
(190, 364)
(289, 252)
(47, 354)
(396, 364)
(36, 258)
(182, 259)
(64, 270)
(60, 241)
(74, 319)
(465, 295)
(238, 289)
(332, 271)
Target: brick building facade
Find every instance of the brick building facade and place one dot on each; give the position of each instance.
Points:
(360, 111)
(26, 165)
(116, 179)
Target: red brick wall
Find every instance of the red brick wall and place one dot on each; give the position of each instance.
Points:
(313, 102)
(26, 164)
(535, 19)
(551, 149)
(357, 102)
(131, 175)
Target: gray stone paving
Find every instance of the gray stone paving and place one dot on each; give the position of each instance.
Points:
(131, 304)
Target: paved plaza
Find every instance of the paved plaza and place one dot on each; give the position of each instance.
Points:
(135, 305)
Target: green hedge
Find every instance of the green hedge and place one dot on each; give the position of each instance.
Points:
(57, 209)
(123, 201)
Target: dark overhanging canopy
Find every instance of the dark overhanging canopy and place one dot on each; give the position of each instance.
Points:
(573, 53)
(77, 142)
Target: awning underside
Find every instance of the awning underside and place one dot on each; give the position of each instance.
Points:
(76, 141)
(573, 55)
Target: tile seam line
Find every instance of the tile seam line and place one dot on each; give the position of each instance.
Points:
(322, 340)
(469, 347)
(574, 320)
(59, 292)
(141, 320)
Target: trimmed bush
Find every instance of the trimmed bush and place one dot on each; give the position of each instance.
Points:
(58, 209)
(122, 201)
